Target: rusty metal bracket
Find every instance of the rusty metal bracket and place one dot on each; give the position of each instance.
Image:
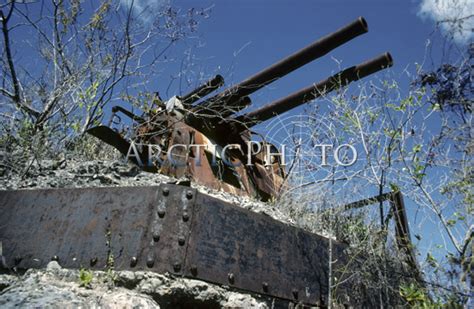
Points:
(402, 230)
(166, 229)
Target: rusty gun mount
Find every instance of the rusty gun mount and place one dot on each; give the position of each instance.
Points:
(193, 120)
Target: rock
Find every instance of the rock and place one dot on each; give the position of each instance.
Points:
(126, 300)
(43, 288)
(38, 295)
(36, 289)
(53, 265)
(182, 292)
(236, 300)
(128, 279)
(58, 287)
(6, 281)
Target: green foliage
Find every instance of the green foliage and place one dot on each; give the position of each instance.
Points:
(430, 259)
(110, 276)
(85, 278)
(85, 59)
(418, 171)
(394, 187)
(417, 148)
(88, 147)
(417, 297)
(97, 20)
(89, 93)
(354, 229)
(414, 296)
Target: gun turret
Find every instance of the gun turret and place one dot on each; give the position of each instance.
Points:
(210, 125)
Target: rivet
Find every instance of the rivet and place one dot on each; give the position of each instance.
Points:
(133, 262)
(231, 278)
(295, 293)
(177, 267)
(181, 240)
(93, 261)
(166, 191)
(323, 300)
(156, 236)
(161, 213)
(55, 258)
(265, 286)
(185, 217)
(189, 195)
(150, 261)
(194, 270)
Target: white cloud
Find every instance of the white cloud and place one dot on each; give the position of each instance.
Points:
(144, 8)
(454, 16)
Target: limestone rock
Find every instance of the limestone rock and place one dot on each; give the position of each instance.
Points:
(58, 287)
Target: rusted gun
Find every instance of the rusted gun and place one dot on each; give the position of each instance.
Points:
(192, 120)
(225, 102)
(202, 91)
(312, 92)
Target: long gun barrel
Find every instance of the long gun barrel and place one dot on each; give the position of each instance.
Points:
(314, 91)
(202, 90)
(316, 50)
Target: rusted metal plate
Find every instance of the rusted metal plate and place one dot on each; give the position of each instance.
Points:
(96, 227)
(78, 226)
(233, 246)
